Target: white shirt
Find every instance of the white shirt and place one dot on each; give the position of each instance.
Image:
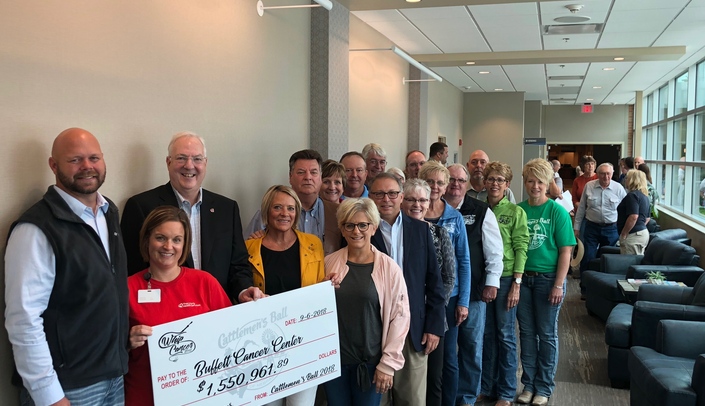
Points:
(598, 204)
(30, 270)
(194, 216)
(393, 236)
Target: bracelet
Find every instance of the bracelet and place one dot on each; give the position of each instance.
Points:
(559, 287)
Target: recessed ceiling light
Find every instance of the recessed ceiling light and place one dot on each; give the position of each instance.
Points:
(589, 99)
(470, 63)
(597, 87)
(413, 1)
(467, 87)
(498, 90)
(571, 19)
(619, 58)
(607, 68)
(484, 72)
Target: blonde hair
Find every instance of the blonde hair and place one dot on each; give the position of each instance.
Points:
(636, 180)
(268, 198)
(431, 167)
(351, 206)
(539, 168)
(499, 167)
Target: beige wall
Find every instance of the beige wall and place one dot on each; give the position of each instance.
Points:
(494, 123)
(566, 124)
(134, 73)
(445, 117)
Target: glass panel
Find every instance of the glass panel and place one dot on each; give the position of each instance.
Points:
(678, 187)
(700, 85)
(681, 93)
(648, 143)
(649, 112)
(699, 152)
(662, 103)
(679, 133)
(661, 143)
(699, 196)
(658, 175)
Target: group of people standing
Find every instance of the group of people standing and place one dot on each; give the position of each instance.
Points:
(429, 279)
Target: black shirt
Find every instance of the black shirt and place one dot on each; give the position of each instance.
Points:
(634, 202)
(282, 269)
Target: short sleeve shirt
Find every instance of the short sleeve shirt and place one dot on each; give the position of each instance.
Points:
(550, 228)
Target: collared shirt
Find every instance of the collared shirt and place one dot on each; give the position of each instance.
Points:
(365, 193)
(30, 271)
(482, 194)
(393, 237)
(492, 248)
(194, 216)
(598, 204)
(310, 221)
(559, 181)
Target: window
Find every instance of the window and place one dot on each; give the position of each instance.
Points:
(699, 150)
(681, 94)
(663, 103)
(679, 134)
(661, 143)
(700, 85)
(649, 112)
(698, 210)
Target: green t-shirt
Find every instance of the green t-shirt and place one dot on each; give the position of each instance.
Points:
(549, 229)
(515, 235)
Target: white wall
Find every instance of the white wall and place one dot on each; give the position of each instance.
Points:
(134, 73)
(445, 117)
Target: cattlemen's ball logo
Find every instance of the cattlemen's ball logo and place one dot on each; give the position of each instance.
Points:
(504, 219)
(176, 344)
(469, 219)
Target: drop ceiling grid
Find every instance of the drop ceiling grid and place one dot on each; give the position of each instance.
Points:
(528, 78)
(620, 40)
(453, 31)
(458, 78)
(633, 21)
(628, 5)
(496, 79)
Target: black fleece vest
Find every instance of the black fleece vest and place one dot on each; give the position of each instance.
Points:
(473, 212)
(85, 322)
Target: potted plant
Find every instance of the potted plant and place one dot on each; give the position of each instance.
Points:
(655, 277)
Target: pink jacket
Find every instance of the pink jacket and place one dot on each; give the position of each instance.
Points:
(394, 304)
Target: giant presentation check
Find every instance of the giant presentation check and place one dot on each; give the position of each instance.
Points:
(251, 353)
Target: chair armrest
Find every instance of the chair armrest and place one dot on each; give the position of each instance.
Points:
(698, 382)
(679, 273)
(664, 294)
(647, 314)
(679, 338)
(608, 249)
(618, 264)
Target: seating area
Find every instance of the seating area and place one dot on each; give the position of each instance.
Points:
(656, 338)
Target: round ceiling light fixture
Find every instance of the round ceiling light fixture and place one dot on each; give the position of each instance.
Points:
(572, 19)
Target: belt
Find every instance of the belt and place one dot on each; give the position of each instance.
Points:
(532, 273)
(601, 224)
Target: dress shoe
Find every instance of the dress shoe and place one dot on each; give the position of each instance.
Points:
(525, 397)
(539, 401)
(484, 398)
(503, 403)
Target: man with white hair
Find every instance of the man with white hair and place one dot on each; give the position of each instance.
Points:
(375, 159)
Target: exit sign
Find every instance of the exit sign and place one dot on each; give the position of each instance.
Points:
(587, 108)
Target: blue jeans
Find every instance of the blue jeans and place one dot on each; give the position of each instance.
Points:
(450, 356)
(595, 237)
(538, 332)
(499, 358)
(470, 338)
(344, 390)
(110, 392)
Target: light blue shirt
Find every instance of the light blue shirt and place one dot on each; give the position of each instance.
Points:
(30, 271)
(194, 216)
(365, 193)
(393, 236)
(598, 204)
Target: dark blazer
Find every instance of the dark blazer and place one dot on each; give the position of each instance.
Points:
(223, 251)
(423, 279)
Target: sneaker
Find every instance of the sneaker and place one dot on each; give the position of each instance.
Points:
(525, 397)
(539, 401)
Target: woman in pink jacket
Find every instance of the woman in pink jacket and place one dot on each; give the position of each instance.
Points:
(373, 310)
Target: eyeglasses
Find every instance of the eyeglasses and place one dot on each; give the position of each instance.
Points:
(350, 227)
(183, 159)
(498, 181)
(380, 195)
(413, 201)
(380, 162)
(458, 180)
(433, 183)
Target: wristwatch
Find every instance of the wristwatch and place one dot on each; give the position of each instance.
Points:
(517, 281)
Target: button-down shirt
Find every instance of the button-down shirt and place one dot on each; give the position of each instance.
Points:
(30, 271)
(393, 237)
(194, 216)
(598, 204)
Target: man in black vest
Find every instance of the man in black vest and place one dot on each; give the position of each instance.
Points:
(66, 285)
(486, 253)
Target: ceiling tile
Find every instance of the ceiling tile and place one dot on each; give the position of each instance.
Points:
(637, 20)
(454, 34)
(630, 5)
(435, 13)
(558, 7)
(529, 78)
(492, 11)
(406, 36)
(580, 41)
(457, 78)
(568, 69)
(524, 38)
(496, 79)
(619, 40)
(379, 15)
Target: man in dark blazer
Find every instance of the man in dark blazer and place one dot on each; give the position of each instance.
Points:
(217, 246)
(413, 250)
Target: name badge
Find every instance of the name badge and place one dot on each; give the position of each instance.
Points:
(149, 296)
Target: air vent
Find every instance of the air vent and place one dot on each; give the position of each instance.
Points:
(564, 90)
(572, 29)
(576, 77)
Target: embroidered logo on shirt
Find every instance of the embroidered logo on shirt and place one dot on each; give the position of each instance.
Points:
(189, 304)
(504, 219)
(469, 219)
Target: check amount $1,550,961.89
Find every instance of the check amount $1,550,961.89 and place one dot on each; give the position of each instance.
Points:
(240, 379)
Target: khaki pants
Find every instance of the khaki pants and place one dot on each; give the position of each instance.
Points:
(635, 243)
(409, 387)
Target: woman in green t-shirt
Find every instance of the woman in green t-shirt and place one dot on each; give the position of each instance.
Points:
(551, 242)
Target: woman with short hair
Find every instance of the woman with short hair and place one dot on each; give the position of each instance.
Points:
(332, 181)
(633, 214)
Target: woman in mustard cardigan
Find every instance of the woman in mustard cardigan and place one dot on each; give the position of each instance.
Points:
(275, 255)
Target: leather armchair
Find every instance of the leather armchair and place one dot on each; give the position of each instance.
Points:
(677, 261)
(674, 234)
(672, 373)
(629, 326)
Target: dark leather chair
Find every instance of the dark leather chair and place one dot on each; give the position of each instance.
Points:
(677, 261)
(673, 373)
(629, 326)
(674, 234)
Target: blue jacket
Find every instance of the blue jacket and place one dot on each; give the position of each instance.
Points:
(452, 221)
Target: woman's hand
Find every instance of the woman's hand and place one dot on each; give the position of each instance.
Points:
(513, 296)
(256, 234)
(138, 335)
(556, 295)
(461, 314)
(382, 381)
(334, 279)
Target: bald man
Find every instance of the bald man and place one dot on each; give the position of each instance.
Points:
(414, 161)
(66, 285)
(476, 166)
